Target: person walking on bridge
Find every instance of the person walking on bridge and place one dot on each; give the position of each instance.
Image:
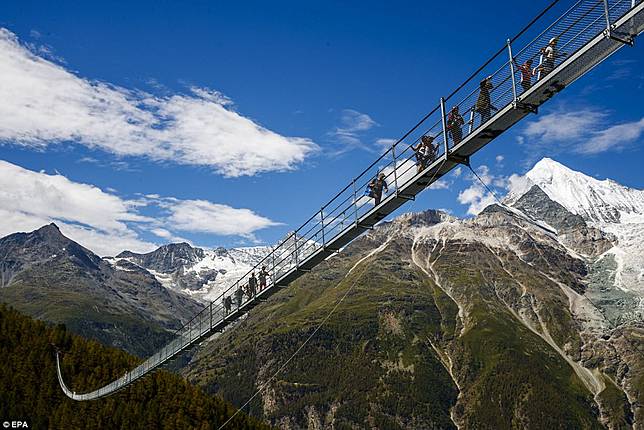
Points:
(454, 124)
(227, 304)
(377, 188)
(526, 72)
(425, 152)
(239, 295)
(263, 274)
(549, 56)
(483, 103)
(252, 285)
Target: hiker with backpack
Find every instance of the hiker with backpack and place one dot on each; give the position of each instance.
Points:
(454, 124)
(239, 295)
(483, 103)
(227, 301)
(425, 152)
(549, 56)
(378, 185)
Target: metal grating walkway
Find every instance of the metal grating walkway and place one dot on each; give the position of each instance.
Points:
(588, 31)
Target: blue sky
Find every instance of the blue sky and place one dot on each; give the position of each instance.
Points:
(324, 81)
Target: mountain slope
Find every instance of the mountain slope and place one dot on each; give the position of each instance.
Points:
(50, 277)
(480, 323)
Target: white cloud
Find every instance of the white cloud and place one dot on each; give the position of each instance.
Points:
(439, 185)
(352, 125)
(499, 158)
(518, 185)
(353, 121)
(385, 144)
(563, 126)
(96, 219)
(405, 171)
(476, 197)
(161, 232)
(105, 222)
(615, 137)
(44, 104)
(200, 216)
(168, 236)
(582, 131)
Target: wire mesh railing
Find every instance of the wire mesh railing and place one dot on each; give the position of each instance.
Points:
(542, 46)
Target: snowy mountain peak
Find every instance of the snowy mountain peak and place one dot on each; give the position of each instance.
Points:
(596, 201)
(603, 204)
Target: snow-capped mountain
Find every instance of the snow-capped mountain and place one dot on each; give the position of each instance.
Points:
(599, 202)
(605, 205)
(200, 273)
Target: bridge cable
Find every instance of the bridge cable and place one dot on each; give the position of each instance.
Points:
(512, 210)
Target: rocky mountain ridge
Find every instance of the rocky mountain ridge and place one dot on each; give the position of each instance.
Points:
(199, 273)
(53, 278)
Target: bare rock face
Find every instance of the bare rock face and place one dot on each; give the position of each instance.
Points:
(571, 228)
(167, 258)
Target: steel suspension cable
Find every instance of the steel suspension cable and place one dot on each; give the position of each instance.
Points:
(283, 366)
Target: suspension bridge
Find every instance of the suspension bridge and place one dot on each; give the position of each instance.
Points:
(582, 34)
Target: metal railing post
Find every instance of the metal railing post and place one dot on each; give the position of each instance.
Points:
(211, 315)
(355, 201)
(273, 258)
(322, 224)
(471, 122)
(296, 259)
(514, 83)
(393, 155)
(444, 121)
(608, 29)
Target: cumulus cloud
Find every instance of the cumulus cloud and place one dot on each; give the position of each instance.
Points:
(476, 196)
(105, 222)
(44, 104)
(563, 126)
(584, 131)
(518, 185)
(440, 185)
(96, 218)
(201, 216)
